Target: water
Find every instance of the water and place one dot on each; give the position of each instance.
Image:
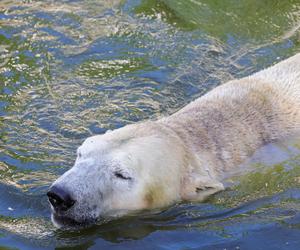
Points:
(70, 69)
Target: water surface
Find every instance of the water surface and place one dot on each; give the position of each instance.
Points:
(71, 69)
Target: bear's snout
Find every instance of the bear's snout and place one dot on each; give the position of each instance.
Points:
(60, 198)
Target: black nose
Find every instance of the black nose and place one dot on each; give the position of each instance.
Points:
(60, 199)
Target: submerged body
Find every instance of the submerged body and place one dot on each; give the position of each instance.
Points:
(233, 120)
(183, 156)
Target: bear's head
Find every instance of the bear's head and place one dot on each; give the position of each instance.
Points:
(129, 169)
(137, 167)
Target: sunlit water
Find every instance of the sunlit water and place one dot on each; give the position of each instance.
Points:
(70, 69)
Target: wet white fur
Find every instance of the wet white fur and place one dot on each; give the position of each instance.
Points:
(184, 156)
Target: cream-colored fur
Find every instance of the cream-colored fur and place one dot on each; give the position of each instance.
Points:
(184, 156)
(229, 123)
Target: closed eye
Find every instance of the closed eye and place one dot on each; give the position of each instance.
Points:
(122, 176)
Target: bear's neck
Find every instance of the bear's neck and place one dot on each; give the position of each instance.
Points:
(231, 122)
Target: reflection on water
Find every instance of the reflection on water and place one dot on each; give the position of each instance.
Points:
(70, 69)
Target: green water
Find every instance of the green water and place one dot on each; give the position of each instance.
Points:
(71, 69)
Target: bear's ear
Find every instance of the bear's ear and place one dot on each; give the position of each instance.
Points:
(198, 188)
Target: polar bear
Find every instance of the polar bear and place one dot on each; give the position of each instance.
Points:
(184, 156)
